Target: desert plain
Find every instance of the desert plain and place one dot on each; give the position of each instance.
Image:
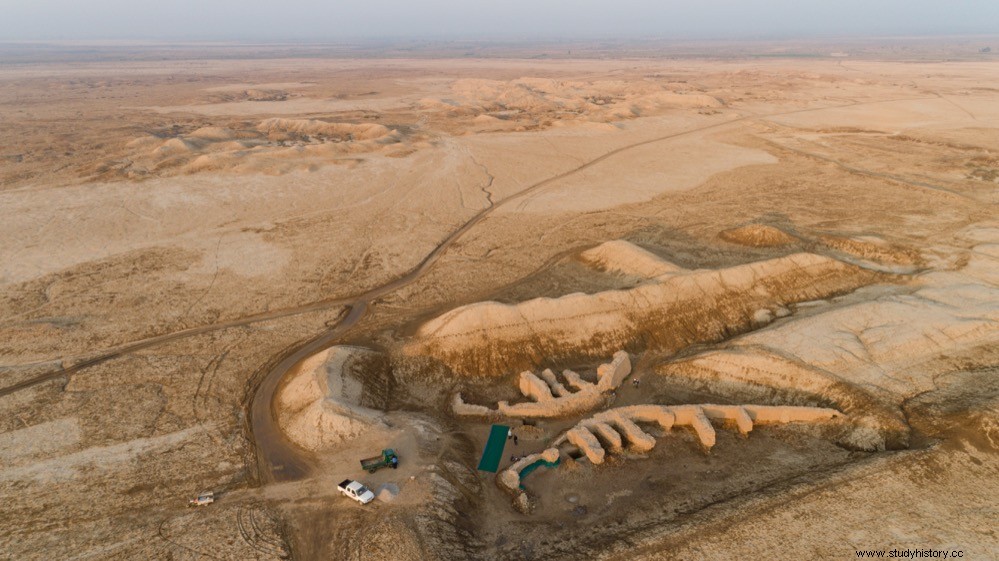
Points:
(242, 270)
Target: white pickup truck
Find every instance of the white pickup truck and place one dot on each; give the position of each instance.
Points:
(356, 491)
(204, 499)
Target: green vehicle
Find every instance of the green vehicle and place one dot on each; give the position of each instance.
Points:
(388, 458)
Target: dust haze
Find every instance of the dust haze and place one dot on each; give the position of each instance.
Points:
(294, 21)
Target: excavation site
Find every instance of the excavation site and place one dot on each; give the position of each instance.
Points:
(521, 300)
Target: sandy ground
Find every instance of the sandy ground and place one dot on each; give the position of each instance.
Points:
(156, 222)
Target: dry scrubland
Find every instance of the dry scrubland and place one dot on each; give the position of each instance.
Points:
(760, 235)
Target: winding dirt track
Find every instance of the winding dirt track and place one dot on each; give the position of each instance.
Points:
(278, 459)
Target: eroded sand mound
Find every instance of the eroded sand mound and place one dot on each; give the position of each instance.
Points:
(871, 357)
(876, 422)
(343, 131)
(874, 249)
(757, 235)
(273, 147)
(626, 258)
(534, 102)
(490, 338)
(319, 406)
(219, 134)
(896, 344)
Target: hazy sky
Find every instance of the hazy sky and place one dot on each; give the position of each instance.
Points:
(334, 20)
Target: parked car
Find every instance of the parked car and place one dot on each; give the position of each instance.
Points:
(355, 490)
(204, 499)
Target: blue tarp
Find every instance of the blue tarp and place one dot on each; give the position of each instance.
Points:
(527, 470)
(493, 453)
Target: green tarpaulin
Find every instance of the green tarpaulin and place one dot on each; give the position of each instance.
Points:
(494, 448)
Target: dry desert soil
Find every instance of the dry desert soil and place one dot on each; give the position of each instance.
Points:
(241, 270)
